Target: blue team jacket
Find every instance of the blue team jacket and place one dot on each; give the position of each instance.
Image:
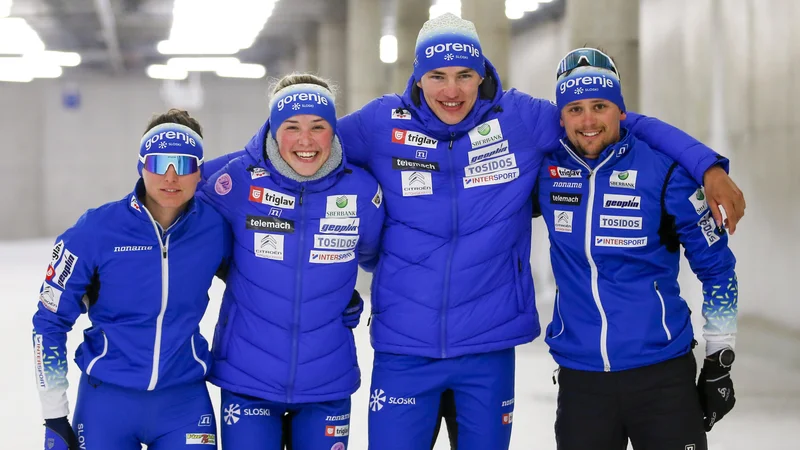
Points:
(145, 290)
(453, 275)
(615, 225)
(280, 334)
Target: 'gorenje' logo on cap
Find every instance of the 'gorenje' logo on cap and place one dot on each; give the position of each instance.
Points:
(588, 81)
(170, 135)
(303, 97)
(452, 47)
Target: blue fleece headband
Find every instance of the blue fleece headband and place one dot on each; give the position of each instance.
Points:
(171, 138)
(301, 99)
(589, 84)
(448, 49)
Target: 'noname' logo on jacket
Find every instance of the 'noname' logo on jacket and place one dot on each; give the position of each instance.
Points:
(133, 248)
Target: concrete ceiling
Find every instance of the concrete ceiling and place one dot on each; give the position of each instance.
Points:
(120, 36)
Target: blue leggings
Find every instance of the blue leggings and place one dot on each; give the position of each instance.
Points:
(112, 417)
(406, 394)
(250, 423)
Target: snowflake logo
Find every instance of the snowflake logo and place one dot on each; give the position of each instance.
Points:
(295, 107)
(377, 399)
(579, 90)
(449, 57)
(162, 145)
(232, 413)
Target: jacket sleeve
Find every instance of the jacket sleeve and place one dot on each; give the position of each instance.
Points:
(216, 164)
(544, 121)
(690, 153)
(706, 248)
(353, 130)
(220, 197)
(541, 119)
(61, 295)
(371, 228)
(227, 252)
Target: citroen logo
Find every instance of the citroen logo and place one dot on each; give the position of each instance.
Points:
(416, 178)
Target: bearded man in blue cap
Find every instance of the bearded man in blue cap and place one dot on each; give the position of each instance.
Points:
(617, 213)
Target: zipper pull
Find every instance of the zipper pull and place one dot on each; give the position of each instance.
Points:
(302, 189)
(452, 135)
(555, 374)
(164, 252)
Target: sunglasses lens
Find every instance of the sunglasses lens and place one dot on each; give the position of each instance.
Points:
(159, 164)
(585, 57)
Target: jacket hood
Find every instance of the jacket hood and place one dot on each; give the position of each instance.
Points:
(256, 148)
(489, 95)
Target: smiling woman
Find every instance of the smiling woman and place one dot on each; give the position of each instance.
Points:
(303, 121)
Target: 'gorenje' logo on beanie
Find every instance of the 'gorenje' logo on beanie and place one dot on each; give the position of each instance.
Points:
(452, 47)
(303, 97)
(587, 81)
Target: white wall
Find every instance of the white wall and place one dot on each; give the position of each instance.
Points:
(534, 56)
(58, 162)
(727, 72)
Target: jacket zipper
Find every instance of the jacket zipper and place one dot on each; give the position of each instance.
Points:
(588, 250)
(663, 311)
(297, 300)
(100, 356)
(164, 245)
(453, 239)
(558, 308)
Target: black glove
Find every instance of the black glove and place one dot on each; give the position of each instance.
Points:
(715, 387)
(58, 435)
(352, 314)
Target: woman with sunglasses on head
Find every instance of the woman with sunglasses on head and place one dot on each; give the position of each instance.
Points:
(303, 219)
(141, 268)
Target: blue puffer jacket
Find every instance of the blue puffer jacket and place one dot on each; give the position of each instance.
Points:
(145, 289)
(616, 224)
(280, 334)
(454, 276)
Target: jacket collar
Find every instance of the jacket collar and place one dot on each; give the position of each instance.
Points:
(618, 151)
(256, 148)
(488, 97)
(137, 208)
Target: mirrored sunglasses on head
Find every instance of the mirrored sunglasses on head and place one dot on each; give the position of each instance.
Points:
(159, 163)
(585, 57)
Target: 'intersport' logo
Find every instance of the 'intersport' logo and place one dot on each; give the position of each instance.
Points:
(303, 97)
(594, 82)
(469, 49)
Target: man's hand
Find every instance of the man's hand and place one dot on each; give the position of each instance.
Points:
(352, 314)
(58, 435)
(722, 191)
(715, 389)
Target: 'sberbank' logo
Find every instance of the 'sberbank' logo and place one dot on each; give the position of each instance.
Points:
(470, 49)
